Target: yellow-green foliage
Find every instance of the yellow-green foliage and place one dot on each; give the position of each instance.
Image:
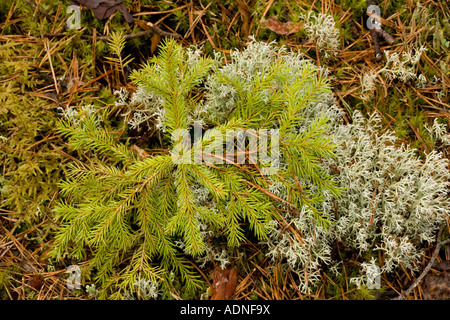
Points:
(148, 211)
(30, 163)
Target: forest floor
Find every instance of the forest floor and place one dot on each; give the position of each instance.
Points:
(49, 67)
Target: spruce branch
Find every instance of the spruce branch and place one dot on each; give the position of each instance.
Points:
(89, 135)
(116, 45)
(158, 212)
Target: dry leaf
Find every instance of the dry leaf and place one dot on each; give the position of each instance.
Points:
(245, 11)
(43, 257)
(36, 281)
(436, 284)
(28, 267)
(103, 9)
(224, 283)
(156, 38)
(143, 24)
(278, 27)
(142, 154)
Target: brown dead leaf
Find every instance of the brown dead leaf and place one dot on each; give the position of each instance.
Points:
(436, 284)
(43, 257)
(27, 267)
(224, 283)
(278, 27)
(36, 281)
(143, 24)
(156, 38)
(246, 14)
(103, 9)
(142, 154)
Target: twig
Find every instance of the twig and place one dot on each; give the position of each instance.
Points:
(153, 29)
(162, 33)
(47, 48)
(377, 31)
(376, 45)
(427, 268)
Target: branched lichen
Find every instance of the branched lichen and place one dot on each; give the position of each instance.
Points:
(321, 28)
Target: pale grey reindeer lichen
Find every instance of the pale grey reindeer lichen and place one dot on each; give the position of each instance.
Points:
(142, 107)
(321, 29)
(403, 67)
